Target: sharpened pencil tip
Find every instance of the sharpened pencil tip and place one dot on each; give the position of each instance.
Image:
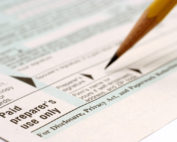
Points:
(113, 59)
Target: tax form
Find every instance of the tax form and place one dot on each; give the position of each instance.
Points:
(53, 84)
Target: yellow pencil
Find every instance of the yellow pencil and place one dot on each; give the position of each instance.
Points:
(151, 17)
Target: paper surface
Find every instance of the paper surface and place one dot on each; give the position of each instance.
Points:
(53, 83)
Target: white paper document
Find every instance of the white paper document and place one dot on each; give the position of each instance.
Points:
(53, 83)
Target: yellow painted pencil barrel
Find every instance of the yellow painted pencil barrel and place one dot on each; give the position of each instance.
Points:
(152, 16)
(160, 8)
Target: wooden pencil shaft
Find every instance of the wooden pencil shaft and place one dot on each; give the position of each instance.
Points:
(144, 25)
(141, 28)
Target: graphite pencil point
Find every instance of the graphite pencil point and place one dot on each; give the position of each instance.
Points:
(113, 59)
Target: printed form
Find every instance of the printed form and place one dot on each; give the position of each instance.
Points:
(53, 83)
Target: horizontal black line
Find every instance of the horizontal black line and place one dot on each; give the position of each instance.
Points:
(53, 83)
(104, 95)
